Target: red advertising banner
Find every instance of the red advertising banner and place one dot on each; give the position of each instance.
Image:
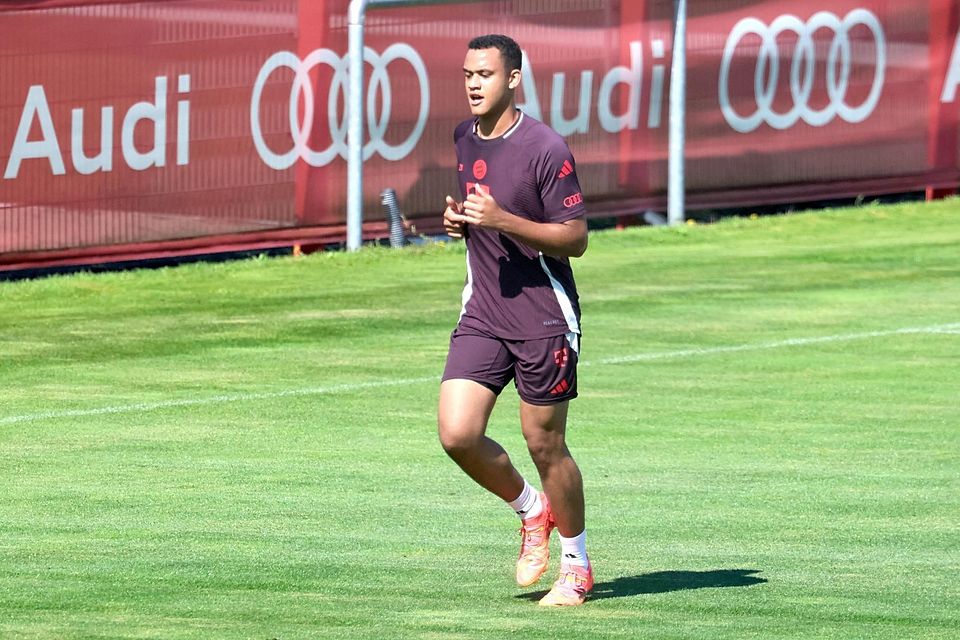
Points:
(141, 128)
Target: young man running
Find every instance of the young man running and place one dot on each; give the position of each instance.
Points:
(521, 213)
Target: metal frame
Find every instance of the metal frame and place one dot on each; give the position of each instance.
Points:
(678, 99)
(356, 15)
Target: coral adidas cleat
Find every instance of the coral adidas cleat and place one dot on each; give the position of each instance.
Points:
(571, 588)
(535, 545)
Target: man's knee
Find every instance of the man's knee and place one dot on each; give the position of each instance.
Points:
(457, 439)
(545, 447)
(462, 416)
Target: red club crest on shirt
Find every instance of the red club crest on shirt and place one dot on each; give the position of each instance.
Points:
(479, 169)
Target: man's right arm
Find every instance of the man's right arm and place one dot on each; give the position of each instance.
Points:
(567, 238)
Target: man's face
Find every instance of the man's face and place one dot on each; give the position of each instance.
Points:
(487, 82)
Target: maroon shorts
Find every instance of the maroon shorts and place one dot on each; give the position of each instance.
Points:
(545, 370)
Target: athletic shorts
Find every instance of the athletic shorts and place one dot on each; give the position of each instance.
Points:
(544, 370)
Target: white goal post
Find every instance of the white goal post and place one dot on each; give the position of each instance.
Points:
(356, 15)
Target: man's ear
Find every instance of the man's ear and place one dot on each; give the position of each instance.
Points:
(514, 80)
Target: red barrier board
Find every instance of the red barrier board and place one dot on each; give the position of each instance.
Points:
(185, 125)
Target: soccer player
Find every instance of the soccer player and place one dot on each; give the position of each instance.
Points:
(522, 216)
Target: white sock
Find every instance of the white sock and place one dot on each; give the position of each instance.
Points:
(528, 503)
(574, 550)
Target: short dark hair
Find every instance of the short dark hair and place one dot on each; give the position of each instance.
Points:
(508, 47)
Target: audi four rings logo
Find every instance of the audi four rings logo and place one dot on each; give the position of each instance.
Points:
(802, 69)
(376, 125)
(575, 199)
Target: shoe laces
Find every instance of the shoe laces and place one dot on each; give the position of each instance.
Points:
(532, 536)
(571, 580)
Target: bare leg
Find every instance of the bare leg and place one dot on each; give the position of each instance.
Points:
(544, 428)
(465, 408)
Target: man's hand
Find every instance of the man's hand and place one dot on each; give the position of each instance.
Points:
(567, 239)
(482, 210)
(453, 219)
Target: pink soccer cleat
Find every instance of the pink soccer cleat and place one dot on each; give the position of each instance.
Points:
(535, 545)
(571, 588)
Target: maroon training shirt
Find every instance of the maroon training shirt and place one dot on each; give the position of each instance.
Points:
(513, 291)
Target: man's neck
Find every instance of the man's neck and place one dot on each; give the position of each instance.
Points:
(494, 126)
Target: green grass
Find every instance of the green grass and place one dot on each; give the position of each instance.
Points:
(248, 449)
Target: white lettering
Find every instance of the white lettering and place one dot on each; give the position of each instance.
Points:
(656, 87)
(631, 76)
(581, 122)
(953, 74)
(183, 122)
(530, 104)
(23, 149)
(155, 112)
(36, 114)
(103, 161)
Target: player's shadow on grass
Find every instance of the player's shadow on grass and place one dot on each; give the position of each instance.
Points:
(665, 581)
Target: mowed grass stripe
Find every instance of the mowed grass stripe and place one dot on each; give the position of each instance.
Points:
(375, 384)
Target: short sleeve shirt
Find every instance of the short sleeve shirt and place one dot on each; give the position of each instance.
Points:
(514, 291)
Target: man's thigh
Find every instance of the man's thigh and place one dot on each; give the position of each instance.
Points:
(481, 358)
(464, 411)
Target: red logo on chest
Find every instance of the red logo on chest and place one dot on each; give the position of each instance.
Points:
(479, 169)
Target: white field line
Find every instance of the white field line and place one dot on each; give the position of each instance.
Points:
(378, 384)
(220, 399)
(793, 342)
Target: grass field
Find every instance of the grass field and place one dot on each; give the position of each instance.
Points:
(768, 427)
